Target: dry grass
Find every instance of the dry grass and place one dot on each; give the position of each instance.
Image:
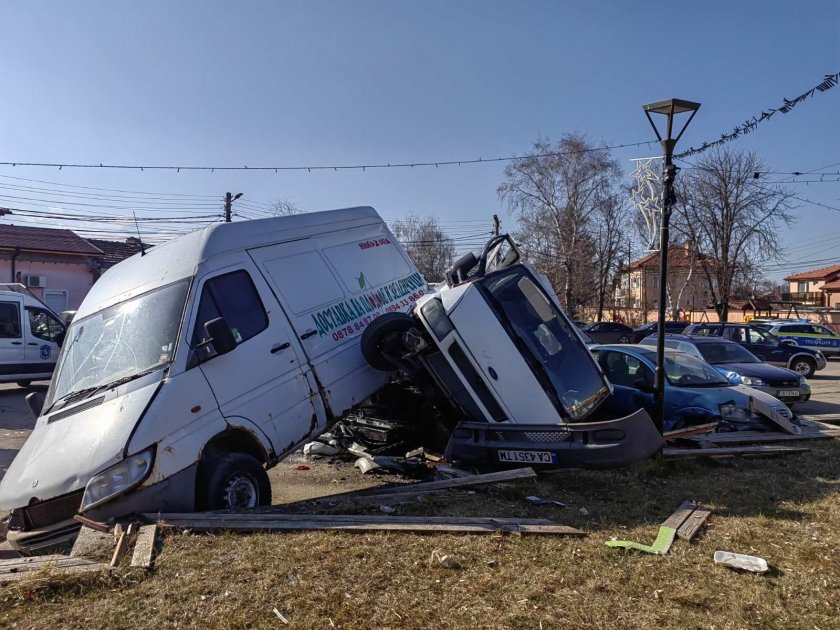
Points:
(785, 510)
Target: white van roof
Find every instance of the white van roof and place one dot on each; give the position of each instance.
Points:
(178, 258)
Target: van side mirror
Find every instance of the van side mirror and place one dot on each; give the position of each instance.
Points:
(643, 385)
(219, 334)
(789, 342)
(35, 402)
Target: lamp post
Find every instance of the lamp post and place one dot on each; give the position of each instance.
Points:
(669, 109)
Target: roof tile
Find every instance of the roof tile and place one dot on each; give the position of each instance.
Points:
(45, 239)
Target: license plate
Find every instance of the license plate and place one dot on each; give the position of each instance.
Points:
(789, 393)
(527, 457)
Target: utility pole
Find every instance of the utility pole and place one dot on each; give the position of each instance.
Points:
(229, 199)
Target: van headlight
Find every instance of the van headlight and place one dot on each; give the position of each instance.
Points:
(753, 380)
(119, 478)
(734, 412)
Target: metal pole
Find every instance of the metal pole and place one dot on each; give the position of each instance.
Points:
(228, 203)
(664, 234)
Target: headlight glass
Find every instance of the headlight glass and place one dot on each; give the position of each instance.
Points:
(734, 412)
(437, 318)
(120, 477)
(752, 380)
(803, 381)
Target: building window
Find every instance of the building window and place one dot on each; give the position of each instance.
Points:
(803, 287)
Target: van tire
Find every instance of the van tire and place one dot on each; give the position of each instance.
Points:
(376, 334)
(24, 384)
(804, 366)
(233, 481)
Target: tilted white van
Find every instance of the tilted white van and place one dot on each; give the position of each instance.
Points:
(190, 370)
(30, 336)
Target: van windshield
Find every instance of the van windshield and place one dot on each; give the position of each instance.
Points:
(118, 343)
(546, 340)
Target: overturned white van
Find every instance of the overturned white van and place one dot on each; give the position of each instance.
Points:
(190, 370)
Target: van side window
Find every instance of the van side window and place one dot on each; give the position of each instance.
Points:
(234, 297)
(43, 325)
(9, 320)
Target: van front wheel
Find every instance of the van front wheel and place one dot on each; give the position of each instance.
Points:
(379, 333)
(234, 481)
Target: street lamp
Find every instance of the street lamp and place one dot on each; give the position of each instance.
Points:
(669, 109)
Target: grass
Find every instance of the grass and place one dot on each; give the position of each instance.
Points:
(785, 510)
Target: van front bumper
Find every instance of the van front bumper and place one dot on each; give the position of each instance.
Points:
(604, 444)
(173, 494)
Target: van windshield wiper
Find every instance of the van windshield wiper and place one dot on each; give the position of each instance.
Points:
(90, 391)
(78, 393)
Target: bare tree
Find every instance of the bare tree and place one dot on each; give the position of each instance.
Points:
(733, 218)
(611, 220)
(285, 207)
(556, 194)
(427, 245)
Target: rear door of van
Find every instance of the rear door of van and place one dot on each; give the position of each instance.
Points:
(12, 350)
(42, 331)
(332, 286)
(265, 379)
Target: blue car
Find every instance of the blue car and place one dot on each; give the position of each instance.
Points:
(695, 392)
(766, 346)
(740, 366)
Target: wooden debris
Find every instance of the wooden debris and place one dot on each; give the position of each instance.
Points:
(460, 482)
(144, 548)
(729, 451)
(17, 568)
(100, 527)
(355, 522)
(120, 549)
(692, 430)
(692, 524)
(667, 532)
(739, 437)
(91, 542)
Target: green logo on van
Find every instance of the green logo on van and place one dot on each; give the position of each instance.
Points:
(362, 280)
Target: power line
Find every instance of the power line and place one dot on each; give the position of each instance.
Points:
(336, 167)
(115, 190)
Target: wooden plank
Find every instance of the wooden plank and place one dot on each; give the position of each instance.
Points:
(745, 437)
(12, 565)
(460, 482)
(59, 567)
(121, 548)
(729, 451)
(680, 433)
(693, 524)
(346, 518)
(248, 525)
(100, 527)
(144, 548)
(89, 542)
(678, 518)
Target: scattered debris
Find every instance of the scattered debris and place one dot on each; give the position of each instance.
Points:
(387, 509)
(534, 500)
(696, 429)
(123, 538)
(16, 568)
(144, 548)
(280, 616)
(730, 451)
(584, 511)
(438, 558)
(319, 448)
(667, 532)
(741, 561)
(100, 527)
(692, 524)
(301, 467)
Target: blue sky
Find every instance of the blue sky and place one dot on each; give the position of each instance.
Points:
(290, 83)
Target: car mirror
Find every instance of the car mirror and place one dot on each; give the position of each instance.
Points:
(642, 385)
(35, 402)
(789, 342)
(220, 335)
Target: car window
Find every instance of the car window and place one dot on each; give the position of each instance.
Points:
(726, 353)
(794, 328)
(234, 297)
(822, 330)
(759, 336)
(43, 325)
(621, 369)
(9, 320)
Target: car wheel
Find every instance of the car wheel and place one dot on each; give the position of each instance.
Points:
(805, 366)
(233, 481)
(24, 383)
(378, 333)
(624, 339)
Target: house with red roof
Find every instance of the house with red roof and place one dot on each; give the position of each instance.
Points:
(57, 265)
(817, 287)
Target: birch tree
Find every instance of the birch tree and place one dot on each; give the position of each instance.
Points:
(428, 246)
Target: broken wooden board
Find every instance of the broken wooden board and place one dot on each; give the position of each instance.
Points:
(184, 517)
(17, 568)
(123, 540)
(100, 527)
(458, 482)
(755, 437)
(687, 431)
(730, 451)
(463, 525)
(692, 524)
(667, 532)
(144, 548)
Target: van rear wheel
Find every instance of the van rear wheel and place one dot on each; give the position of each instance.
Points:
(377, 335)
(234, 481)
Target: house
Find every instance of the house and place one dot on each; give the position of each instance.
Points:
(638, 282)
(57, 265)
(818, 287)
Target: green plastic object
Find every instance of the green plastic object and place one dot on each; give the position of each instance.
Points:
(659, 547)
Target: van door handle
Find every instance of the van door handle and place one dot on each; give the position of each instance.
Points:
(282, 346)
(17, 343)
(308, 334)
(32, 343)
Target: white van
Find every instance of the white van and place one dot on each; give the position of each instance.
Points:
(190, 370)
(30, 336)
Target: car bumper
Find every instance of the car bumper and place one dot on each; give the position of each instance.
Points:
(173, 494)
(604, 444)
(786, 394)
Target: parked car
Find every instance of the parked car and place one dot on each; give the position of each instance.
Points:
(67, 317)
(768, 323)
(609, 332)
(30, 337)
(651, 328)
(739, 365)
(766, 346)
(695, 392)
(809, 335)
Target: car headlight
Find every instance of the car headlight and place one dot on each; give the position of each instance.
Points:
(752, 380)
(119, 478)
(735, 412)
(803, 381)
